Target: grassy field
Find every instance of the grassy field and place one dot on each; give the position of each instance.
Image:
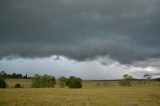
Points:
(93, 93)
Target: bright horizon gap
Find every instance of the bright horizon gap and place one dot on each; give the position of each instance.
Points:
(62, 66)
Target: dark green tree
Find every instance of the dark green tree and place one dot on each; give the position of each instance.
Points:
(3, 74)
(2, 83)
(74, 82)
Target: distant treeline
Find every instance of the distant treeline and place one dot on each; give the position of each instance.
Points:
(42, 81)
(157, 79)
(5, 75)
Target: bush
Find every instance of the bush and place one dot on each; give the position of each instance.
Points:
(39, 81)
(74, 82)
(2, 83)
(125, 82)
(67, 81)
(17, 86)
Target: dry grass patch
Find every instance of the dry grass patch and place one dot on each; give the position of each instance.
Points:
(115, 96)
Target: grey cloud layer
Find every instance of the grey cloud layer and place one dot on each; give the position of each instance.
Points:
(124, 30)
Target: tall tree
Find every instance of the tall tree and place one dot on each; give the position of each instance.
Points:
(2, 83)
(3, 74)
(126, 80)
(147, 77)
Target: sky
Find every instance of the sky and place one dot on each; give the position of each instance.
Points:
(91, 39)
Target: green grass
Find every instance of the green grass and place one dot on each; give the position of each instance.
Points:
(26, 83)
(110, 94)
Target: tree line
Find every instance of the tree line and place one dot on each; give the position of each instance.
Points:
(42, 81)
(48, 81)
(5, 75)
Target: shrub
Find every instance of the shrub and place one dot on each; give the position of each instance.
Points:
(2, 83)
(67, 81)
(125, 82)
(74, 82)
(17, 86)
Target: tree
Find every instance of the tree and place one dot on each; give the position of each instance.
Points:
(126, 81)
(126, 76)
(53, 81)
(19, 76)
(3, 74)
(74, 82)
(39, 81)
(36, 81)
(147, 77)
(2, 83)
(14, 75)
(25, 76)
(62, 81)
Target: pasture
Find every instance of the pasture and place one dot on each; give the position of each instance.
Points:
(93, 93)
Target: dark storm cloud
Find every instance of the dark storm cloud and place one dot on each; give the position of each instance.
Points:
(124, 30)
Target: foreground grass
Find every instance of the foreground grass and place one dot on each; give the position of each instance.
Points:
(93, 93)
(110, 96)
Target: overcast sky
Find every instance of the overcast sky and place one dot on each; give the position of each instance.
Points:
(92, 39)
